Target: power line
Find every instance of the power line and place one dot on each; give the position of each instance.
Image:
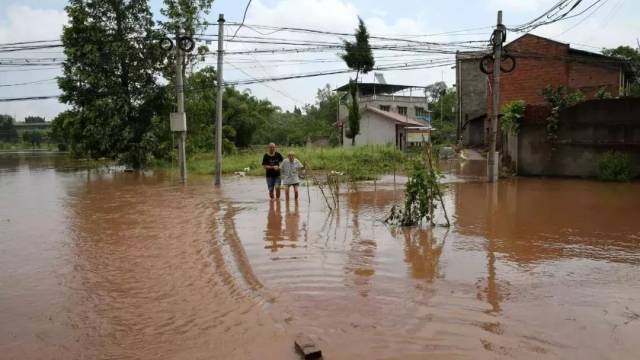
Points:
(266, 85)
(244, 16)
(29, 98)
(28, 82)
(583, 19)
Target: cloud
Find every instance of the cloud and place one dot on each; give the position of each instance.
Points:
(23, 23)
(26, 24)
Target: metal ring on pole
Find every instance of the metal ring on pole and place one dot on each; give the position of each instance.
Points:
(186, 43)
(509, 68)
(166, 44)
(484, 62)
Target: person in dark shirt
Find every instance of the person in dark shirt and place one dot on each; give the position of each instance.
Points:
(271, 163)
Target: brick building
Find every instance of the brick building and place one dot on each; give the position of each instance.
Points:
(540, 62)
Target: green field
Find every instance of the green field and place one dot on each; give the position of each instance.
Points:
(359, 163)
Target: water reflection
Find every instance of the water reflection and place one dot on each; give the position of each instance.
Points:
(292, 221)
(529, 220)
(422, 252)
(273, 233)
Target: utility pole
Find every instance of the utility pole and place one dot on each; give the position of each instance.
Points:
(182, 130)
(218, 165)
(492, 157)
(442, 93)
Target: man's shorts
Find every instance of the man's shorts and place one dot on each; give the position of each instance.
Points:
(272, 182)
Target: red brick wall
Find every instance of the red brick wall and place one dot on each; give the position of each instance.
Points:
(539, 62)
(542, 62)
(588, 77)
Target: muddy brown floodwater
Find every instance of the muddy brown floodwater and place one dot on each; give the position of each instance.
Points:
(99, 264)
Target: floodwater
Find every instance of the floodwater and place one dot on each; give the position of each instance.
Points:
(100, 264)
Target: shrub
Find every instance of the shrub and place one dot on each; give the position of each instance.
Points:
(513, 112)
(614, 166)
(559, 99)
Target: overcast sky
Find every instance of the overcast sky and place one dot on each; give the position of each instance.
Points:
(614, 23)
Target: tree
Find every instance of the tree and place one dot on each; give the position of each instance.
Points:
(62, 129)
(436, 90)
(322, 115)
(8, 131)
(442, 102)
(358, 57)
(33, 137)
(109, 78)
(185, 17)
(633, 61)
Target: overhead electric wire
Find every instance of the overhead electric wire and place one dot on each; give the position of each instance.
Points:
(28, 82)
(244, 16)
(533, 24)
(266, 85)
(583, 19)
(46, 97)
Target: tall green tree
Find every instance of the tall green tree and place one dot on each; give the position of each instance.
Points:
(8, 131)
(186, 17)
(110, 78)
(633, 65)
(323, 115)
(359, 57)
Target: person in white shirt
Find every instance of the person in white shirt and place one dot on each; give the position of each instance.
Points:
(290, 169)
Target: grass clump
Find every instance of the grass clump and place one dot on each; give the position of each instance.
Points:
(615, 166)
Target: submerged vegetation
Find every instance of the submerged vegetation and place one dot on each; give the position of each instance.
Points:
(422, 195)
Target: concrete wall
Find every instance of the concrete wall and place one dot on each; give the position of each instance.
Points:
(472, 95)
(587, 131)
(374, 130)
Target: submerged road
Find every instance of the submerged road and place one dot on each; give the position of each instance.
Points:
(100, 264)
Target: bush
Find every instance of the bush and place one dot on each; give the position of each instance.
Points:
(513, 112)
(614, 166)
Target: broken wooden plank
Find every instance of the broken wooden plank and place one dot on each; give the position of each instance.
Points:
(307, 348)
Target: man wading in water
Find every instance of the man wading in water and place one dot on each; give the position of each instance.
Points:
(271, 163)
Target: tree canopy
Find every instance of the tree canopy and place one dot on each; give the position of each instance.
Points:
(110, 74)
(633, 71)
(8, 131)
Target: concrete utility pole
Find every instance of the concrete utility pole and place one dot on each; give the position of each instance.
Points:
(182, 130)
(492, 157)
(218, 165)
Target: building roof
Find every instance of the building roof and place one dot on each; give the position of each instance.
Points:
(374, 88)
(399, 119)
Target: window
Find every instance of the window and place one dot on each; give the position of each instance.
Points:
(420, 112)
(402, 110)
(385, 107)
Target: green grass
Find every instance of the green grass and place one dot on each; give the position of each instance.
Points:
(359, 163)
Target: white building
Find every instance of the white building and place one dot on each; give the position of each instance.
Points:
(390, 115)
